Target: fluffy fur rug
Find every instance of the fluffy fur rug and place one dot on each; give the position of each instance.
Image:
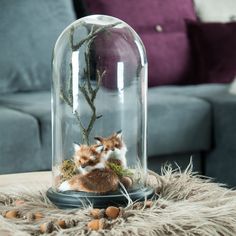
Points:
(188, 205)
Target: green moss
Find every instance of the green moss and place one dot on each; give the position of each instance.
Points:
(119, 170)
(68, 169)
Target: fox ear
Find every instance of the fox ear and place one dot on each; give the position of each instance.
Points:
(119, 134)
(98, 139)
(99, 149)
(77, 147)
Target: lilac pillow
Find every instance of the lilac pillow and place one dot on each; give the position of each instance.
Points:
(161, 26)
(214, 52)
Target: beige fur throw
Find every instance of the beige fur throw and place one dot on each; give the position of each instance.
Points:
(188, 205)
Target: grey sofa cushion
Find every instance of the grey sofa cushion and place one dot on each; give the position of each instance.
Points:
(37, 106)
(19, 141)
(177, 123)
(220, 162)
(28, 31)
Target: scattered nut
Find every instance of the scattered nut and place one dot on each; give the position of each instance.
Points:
(11, 214)
(112, 212)
(97, 213)
(126, 181)
(38, 215)
(148, 203)
(61, 223)
(46, 227)
(96, 224)
(19, 202)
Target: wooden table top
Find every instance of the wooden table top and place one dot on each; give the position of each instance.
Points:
(33, 180)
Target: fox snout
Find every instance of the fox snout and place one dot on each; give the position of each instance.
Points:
(83, 165)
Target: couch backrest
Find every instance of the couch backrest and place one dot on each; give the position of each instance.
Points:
(28, 31)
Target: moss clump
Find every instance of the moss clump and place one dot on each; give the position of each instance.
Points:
(67, 169)
(119, 170)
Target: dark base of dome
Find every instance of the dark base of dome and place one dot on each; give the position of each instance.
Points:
(73, 199)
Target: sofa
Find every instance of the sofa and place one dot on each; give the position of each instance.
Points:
(187, 118)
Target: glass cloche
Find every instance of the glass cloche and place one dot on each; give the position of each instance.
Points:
(99, 114)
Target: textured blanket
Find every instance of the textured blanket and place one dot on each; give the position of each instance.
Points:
(188, 204)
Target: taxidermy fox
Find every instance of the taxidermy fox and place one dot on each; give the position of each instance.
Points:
(94, 177)
(114, 148)
(88, 158)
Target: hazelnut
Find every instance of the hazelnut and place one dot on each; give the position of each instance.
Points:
(61, 223)
(96, 224)
(97, 213)
(46, 227)
(38, 215)
(126, 181)
(148, 204)
(11, 214)
(112, 212)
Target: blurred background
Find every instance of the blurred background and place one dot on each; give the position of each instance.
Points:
(191, 53)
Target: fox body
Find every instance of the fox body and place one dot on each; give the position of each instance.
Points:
(91, 161)
(94, 176)
(96, 181)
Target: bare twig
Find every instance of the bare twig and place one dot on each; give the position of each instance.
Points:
(86, 89)
(93, 34)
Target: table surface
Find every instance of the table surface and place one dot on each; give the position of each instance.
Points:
(31, 180)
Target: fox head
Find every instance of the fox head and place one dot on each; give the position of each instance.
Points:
(112, 142)
(87, 158)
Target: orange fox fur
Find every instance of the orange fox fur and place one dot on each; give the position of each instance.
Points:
(87, 155)
(97, 181)
(91, 160)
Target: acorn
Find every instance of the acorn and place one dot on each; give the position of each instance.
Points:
(148, 204)
(96, 224)
(11, 214)
(38, 215)
(46, 227)
(127, 182)
(61, 224)
(97, 213)
(19, 202)
(112, 212)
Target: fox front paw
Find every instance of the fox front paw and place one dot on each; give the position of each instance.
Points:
(65, 186)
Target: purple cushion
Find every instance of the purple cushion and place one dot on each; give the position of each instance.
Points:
(213, 46)
(112, 48)
(167, 46)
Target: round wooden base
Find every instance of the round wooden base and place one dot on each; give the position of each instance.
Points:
(73, 199)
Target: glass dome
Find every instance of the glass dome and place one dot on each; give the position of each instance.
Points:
(99, 113)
